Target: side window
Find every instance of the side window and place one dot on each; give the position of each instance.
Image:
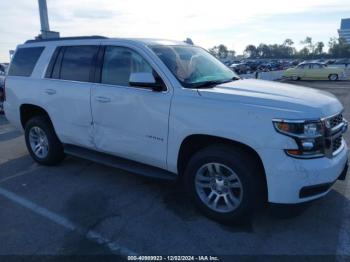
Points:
(316, 66)
(52, 64)
(301, 67)
(24, 61)
(72, 63)
(119, 63)
(57, 64)
(76, 62)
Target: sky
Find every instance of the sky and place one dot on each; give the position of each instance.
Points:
(233, 23)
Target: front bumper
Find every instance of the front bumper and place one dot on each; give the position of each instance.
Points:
(309, 191)
(288, 178)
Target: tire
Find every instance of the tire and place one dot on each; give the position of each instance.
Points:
(333, 77)
(248, 177)
(39, 133)
(295, 78)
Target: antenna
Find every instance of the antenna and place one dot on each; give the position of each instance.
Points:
(44, 22)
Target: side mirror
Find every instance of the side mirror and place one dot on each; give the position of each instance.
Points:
(146, 80)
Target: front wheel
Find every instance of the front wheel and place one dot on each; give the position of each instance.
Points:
(42, 141)
(225, 183)
(333, 77)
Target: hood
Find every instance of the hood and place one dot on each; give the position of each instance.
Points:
(286, 97)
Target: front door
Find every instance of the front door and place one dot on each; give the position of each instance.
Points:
(316, 71)
(129, 122)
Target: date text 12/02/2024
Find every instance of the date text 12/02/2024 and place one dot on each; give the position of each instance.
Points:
(173, 258)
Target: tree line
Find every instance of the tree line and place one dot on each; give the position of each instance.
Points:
(337, 48)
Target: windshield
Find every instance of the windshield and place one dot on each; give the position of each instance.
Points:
(193, 66)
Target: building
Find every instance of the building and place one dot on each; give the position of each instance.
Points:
(344, 31)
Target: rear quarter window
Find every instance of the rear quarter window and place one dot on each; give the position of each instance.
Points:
(24, 61)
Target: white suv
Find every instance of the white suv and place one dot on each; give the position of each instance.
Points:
(169, 109)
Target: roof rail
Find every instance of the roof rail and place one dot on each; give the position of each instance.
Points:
(65, 38)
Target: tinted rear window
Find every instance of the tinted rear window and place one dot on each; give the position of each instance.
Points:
(24, 61)
(76, 62)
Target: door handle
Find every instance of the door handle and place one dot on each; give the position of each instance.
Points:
(50, 91)
(103, 99)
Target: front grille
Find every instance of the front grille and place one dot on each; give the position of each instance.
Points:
(333, 139)
(336, 143)
(335, 120)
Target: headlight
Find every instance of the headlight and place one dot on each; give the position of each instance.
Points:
(307, 129)
(308, 135)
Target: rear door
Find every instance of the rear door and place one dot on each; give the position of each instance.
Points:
(130, 122)
(316, 71)
(67, 86)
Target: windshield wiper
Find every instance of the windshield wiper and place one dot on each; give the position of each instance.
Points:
(212, 83)
(207, 84)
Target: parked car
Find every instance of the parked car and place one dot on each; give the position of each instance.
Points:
(314, 71)
(253, 65)
(330, 62)
(264, 67)
(296, 62)
(172, 110)
(345, 62)
(240, 68)
(2, 82)
(1, 100)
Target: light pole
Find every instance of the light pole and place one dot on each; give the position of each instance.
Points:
(44, 22)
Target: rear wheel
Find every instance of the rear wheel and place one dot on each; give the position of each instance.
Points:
(333, 77)
(42, 141)
(225, 183)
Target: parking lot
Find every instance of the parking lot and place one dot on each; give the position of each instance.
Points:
(81, 207)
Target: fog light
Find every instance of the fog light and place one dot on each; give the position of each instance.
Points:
(308, 145)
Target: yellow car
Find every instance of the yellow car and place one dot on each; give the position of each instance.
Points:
(313, 71)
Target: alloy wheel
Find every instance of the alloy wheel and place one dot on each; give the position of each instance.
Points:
(218, 187)
(38, 142)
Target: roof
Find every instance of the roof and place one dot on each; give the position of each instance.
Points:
(145, 41)
(345, 23)
(155, 41)
(311, 63)
(65, 38)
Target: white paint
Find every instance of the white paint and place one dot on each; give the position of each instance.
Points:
(91, 235)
